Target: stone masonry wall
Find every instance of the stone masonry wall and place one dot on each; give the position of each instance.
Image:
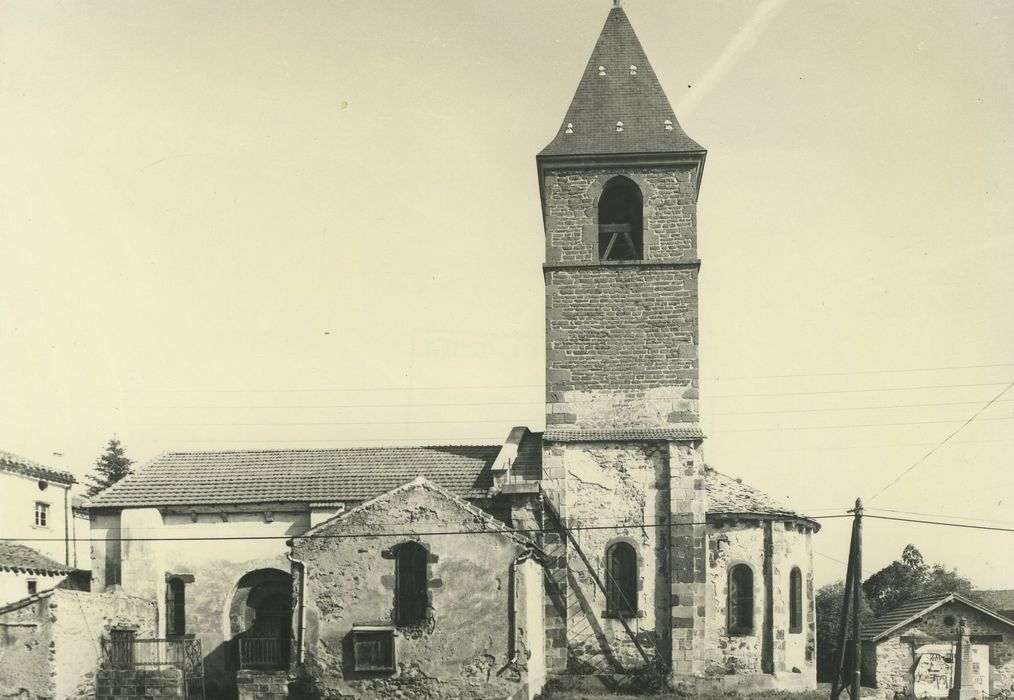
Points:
(621, 347)
(894, 655)
(688, 505)
(621, 337)
(262, 685)
(610, 483)
(669, 213)
(143, 684)
(80, 620)
(465, 648)
(26, 651)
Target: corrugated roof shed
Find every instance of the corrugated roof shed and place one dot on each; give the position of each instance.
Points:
(619, 85)
(21, 465)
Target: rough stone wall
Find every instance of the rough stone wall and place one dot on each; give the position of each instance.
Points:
(728, 545)
(464, 650)
(771, 549)
(262, 685)
(894, 654)
(621, 337)
(26, 651)
(80, 620)
(669, 213)
(609, 483)
(555, 545)
(688, 505)
(621, 346)
(143, 684)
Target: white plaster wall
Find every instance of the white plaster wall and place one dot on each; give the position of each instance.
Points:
(14, 585)
(530, 574)
(18, 515)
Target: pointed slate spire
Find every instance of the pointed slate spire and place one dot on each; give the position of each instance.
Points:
(619, 106)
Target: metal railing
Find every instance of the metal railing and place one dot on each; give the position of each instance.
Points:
(146, 653)
(263, 653)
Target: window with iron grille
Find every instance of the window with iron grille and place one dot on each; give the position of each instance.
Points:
(740, 600)
(621, 580)
(795, 600)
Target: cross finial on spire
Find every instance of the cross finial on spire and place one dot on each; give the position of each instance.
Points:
(617, 3)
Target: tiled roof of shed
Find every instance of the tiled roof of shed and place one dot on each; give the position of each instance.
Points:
(625, 90)
(673, 433)
(19, 558)
(303, 476)
(897, 619)
(13, 463)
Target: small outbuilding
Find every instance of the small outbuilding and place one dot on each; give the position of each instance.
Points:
(418, 593)
(910, 651)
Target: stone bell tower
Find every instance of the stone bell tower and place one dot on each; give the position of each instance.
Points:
(619, 185)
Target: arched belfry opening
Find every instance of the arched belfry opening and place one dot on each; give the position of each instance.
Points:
(621, 224)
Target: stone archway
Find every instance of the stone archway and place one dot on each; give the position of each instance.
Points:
(260, 619)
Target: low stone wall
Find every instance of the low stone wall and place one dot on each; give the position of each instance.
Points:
(262, 685)
(144, 684)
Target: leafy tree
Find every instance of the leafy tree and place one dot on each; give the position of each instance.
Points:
(908, 578)
(828, 603)
(897, 583)
(112, 466)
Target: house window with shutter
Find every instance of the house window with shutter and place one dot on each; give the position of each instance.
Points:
(411, 592)
(740, 605)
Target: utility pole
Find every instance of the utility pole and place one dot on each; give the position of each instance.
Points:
(847, 675)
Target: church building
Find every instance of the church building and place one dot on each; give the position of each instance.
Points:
(602, 546)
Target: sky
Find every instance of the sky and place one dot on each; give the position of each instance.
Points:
(261, 225)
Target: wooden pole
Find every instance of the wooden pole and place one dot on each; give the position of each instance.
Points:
(843, 622)
(857, 592)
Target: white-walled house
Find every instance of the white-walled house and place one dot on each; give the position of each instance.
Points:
(38, 527)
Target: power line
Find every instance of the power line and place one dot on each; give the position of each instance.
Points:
(505, 530)
(939, 522)
(283, 390)
(957, 517)
(372, 533)
(944, 441)
(852, 408)
(537, 402)
(851, 425)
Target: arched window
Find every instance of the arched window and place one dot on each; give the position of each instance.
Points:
(795, 600)
(175, 607)
(621, 234)
(411, 595)
(621, 580)
(741, 599)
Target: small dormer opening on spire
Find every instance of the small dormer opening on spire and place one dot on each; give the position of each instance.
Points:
(621, 231)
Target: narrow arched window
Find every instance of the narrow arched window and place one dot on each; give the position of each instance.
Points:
(621, 580)
(795, 600)
(175, 607)
(740, 599)
(411, 595)
(621, 234)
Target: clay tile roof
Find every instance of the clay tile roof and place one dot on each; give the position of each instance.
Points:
(13, 463)
(22, 559)
(302, 476)
(897, 619)
(673, 433)
(627, 91)
(728, 495)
